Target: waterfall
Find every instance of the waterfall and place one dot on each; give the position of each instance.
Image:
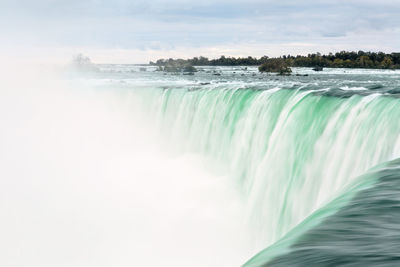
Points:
(289, 151)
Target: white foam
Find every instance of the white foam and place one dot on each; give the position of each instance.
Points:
(83, 182)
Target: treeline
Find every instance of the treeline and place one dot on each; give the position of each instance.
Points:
(222, 61)
(344, 59)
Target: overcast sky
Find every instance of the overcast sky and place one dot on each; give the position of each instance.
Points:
(137, 31)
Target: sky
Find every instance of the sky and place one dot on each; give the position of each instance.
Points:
(137, 31)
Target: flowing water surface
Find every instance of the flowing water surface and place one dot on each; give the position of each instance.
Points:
(221, 168)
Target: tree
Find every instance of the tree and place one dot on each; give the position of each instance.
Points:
(386, 62)
(81, 60)
(277, 65)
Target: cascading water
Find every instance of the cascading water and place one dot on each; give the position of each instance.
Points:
(246, 161)
(284, 147)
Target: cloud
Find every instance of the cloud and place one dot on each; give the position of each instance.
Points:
(166, 25)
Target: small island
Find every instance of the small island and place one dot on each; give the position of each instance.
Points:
(276, 65)
(175, 65)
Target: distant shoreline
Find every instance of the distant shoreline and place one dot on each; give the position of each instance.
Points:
(344, 59)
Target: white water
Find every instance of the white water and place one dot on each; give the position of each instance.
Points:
(84, 182)
(86, 179)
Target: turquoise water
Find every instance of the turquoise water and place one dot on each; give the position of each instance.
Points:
(359, 228)
(296, 148)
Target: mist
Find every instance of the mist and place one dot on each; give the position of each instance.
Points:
(87, 181)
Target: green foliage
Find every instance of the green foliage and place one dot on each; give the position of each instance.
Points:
(341, 59)
(175, 65)
(386, 62)
(189, 68)
(278, 65)
(222, 61)
(345, 59)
